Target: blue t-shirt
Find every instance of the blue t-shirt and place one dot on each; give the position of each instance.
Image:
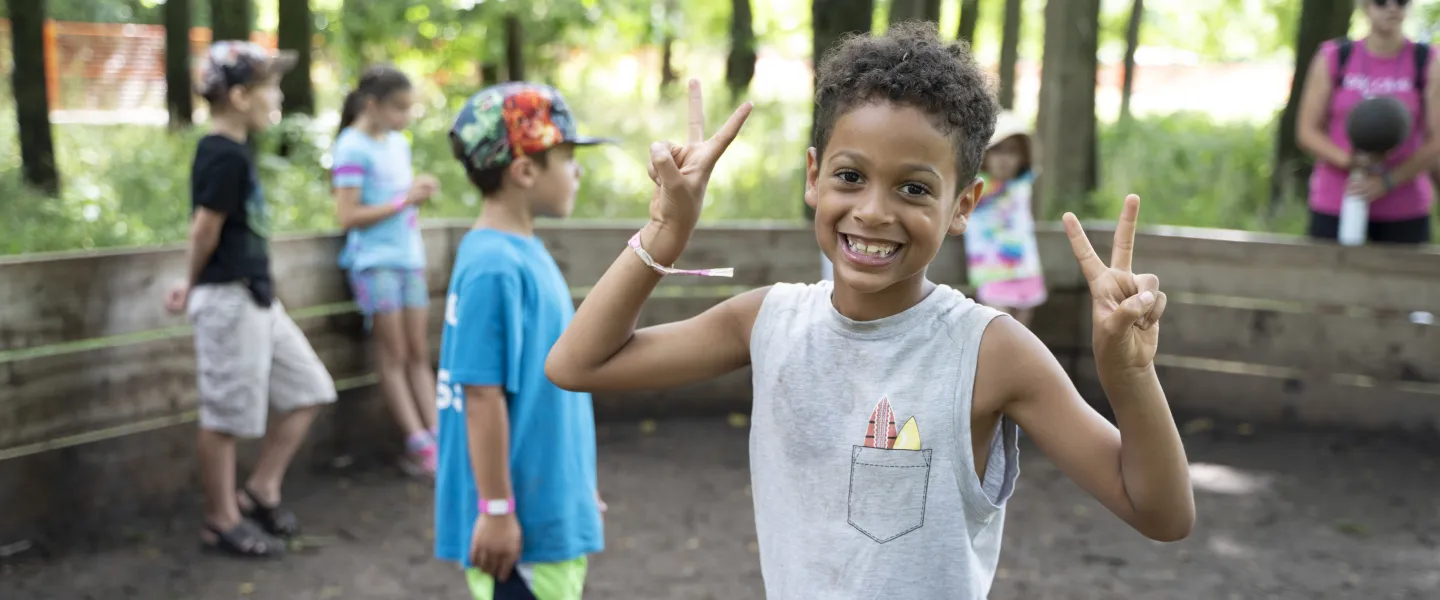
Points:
(507, 305)
(382, 171)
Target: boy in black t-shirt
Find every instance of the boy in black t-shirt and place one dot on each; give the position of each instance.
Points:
(249, 354)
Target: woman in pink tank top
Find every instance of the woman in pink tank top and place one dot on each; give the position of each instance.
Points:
(1384, 63)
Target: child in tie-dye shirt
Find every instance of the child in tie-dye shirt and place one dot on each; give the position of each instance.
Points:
(1000, 244)
(378, 197)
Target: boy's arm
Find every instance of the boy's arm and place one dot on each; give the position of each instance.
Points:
(487, 435)
(220, 195)
(204, 237)
(1139, 472)
(601, 351)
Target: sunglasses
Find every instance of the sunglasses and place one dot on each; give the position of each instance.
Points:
(1383, 3)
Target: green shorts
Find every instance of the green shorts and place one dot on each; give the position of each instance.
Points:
(532, 581)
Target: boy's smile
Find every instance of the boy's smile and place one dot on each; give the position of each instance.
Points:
(885, 195)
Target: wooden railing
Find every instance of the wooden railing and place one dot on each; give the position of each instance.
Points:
(96, 377)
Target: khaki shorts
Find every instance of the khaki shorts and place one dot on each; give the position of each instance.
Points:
(248, 358)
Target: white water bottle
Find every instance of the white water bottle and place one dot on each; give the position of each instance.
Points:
(1354, 214)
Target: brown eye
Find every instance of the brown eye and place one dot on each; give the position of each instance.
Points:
(915, 189)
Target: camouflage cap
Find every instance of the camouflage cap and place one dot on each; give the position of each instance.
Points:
(231, 63)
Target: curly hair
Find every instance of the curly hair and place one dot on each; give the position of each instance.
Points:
(910, 65)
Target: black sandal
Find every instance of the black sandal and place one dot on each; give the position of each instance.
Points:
(245, 540)
(275, 520)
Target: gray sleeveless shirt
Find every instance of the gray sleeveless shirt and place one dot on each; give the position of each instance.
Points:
(860, 451)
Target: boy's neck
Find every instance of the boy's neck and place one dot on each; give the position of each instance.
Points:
(507, 213)
(229, 125)
(891, 301)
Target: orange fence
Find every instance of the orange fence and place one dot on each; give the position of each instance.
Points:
(103, 66)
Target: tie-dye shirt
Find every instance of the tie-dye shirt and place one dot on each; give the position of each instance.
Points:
(1000, 241)
(382, 171)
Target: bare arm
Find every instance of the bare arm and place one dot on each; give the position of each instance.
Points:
(1139, 471)
(1429, 152)
(487, 429)
(204, 236)
(1310, 124)
(355, 215)
(601, 351)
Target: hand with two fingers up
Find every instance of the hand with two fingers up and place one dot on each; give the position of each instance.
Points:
(682, 173)
(1126, 307)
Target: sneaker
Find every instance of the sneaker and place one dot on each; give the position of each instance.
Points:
(420, 463)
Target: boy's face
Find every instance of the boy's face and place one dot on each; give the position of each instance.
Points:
(259, 102)
(885, 194)
(553, 187)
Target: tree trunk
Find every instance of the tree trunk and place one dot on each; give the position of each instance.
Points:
(489, 74)
(1320, 20)
(740, 64)
(231, 19)
(1067, 102)
(914, 10)
(514, 48)
(668, 76)
(179, 89)
(969, 17)
(667, 63)
(1009, 53)
(32, 96)
(1132, 41)
(830, 20)
(296, 30)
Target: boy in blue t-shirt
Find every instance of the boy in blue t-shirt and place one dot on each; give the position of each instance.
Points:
(516, 502)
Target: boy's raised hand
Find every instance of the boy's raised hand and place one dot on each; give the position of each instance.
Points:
(1127, 307)
(683, 172)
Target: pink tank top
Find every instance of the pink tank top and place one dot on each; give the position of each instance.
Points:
(1368, 75)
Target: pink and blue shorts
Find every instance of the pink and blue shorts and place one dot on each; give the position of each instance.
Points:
(379, 291)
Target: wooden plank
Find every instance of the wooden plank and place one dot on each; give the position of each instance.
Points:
(66, 394)
(1239, 391)
(62, 297)
(1373, 277)
(94, 493)
(1383, 348)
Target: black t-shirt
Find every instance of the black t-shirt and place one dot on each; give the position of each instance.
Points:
(223, 179)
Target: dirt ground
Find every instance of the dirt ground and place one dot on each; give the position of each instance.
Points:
(1281, 515)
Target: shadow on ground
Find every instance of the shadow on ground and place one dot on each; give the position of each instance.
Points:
(1281, 515)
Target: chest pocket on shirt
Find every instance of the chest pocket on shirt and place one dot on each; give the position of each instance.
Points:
(888, 490)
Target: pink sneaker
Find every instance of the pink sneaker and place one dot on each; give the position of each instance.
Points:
(421, 462)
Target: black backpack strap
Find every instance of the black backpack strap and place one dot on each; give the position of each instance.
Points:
(1422, 67)
(1342, 56)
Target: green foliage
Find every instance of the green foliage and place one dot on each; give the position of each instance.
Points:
(1190, 170)
(129, 185)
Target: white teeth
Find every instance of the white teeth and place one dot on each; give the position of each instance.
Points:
(877, 250)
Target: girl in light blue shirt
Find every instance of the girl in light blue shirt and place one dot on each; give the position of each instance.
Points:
(378, 198)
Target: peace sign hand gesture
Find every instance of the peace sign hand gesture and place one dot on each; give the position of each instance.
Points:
(1127, 307)
(683, 172)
